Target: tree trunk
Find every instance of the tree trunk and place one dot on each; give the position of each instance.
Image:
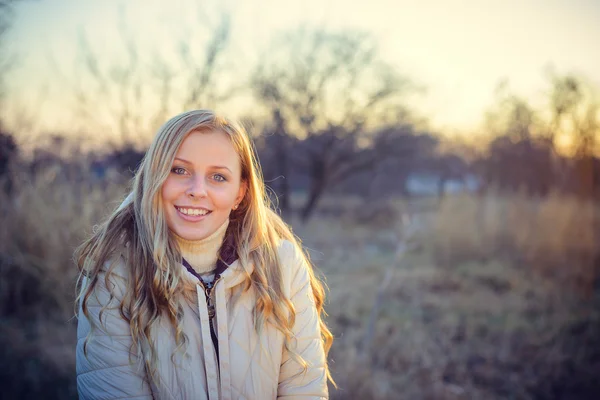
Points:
(317, 187)
(283, 188)
(282, 162)
(311, 203)
(441, 187)
(402, 181)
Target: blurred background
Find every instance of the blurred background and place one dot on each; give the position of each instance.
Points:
(438, 158)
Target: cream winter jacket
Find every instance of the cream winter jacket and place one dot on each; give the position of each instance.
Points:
(250, 366)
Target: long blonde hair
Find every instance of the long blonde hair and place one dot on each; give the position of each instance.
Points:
(153, 259)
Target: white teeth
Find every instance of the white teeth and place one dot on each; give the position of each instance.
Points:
(192, 211)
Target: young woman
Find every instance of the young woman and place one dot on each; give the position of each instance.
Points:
(194, 288)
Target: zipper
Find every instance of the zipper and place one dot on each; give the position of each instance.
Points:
(208, 287)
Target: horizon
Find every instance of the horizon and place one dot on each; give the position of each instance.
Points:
(463, 49)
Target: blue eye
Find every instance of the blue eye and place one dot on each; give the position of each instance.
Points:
(219, 178)
(178, 170)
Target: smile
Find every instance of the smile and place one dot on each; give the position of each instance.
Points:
(193, 212)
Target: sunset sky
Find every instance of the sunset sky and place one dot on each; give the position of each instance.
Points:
(459, 50)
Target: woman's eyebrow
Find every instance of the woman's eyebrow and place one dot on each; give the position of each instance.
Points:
(212, 166)
(182, 160)
(221, 167)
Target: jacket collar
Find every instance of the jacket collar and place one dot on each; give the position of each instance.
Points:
(236, 273)
(228, 267)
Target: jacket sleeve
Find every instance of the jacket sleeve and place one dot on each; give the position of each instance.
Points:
(294, 382)
(107, 372)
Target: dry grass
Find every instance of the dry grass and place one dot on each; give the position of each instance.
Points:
(556, 237)
(480, 308)
(42, 222)
(471, 311)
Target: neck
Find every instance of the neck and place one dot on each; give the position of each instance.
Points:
(203, 254)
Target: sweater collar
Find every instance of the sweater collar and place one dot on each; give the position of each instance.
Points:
(228, 266)
(202, 255)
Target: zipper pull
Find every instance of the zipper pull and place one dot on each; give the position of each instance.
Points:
(211, 310)
(209, 300)
(208, 286)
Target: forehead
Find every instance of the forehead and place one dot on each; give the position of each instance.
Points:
(208, 147)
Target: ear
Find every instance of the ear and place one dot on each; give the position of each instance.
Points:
(241, 192)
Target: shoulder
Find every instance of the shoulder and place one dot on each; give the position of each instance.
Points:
(286, 249)
(110, 280)
(116, 266)
(294, 265)
(290, 255)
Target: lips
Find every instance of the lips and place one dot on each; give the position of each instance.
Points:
(193, 214)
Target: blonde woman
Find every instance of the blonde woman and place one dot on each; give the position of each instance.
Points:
(194, 288)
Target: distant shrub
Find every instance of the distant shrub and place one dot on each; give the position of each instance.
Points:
(555, 236)
(42, 221)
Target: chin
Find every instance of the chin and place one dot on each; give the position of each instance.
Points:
(195, 235)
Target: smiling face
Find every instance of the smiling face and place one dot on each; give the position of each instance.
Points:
(203, 186)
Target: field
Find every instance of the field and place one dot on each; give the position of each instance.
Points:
(470, 298)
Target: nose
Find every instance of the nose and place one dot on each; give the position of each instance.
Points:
(197, 188)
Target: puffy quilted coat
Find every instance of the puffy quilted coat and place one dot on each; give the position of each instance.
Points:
(249, 365)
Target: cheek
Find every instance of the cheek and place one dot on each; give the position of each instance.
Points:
(169, 190)
(225, 199)
(164, 193)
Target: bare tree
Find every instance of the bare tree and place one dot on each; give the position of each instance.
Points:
(329, 89)
(8, 147)
(7, 61)
(545, 149)
(575, 108)
(134, 94)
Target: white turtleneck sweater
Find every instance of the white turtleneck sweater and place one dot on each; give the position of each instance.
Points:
(203, 254)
